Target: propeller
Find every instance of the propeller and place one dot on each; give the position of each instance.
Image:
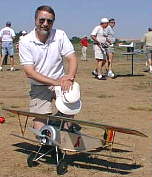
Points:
(43, 138)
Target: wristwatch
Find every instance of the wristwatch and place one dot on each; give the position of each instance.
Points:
(71, 79)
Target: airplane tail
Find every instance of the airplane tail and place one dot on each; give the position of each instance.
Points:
(109, 136)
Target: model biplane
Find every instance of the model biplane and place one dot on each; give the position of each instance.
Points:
(59, 140)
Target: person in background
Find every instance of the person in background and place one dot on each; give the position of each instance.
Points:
(110, 51)
(23, 33)
(147, 45)
(41, 55)
(100, 48)
(84, 43)
(7, 36)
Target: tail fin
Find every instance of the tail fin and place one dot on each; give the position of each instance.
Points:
(109, 136)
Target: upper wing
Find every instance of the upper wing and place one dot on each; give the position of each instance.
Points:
(103, 126)
(25, 113)
(82, 122)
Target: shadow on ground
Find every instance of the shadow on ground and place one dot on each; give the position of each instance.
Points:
(83, 160)
(129, 75)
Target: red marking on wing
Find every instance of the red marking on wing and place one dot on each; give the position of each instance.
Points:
(77, 144)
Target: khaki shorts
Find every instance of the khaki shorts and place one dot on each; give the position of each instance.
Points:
(149, 52)
(110, 50)
(98, 53)
(41, 99)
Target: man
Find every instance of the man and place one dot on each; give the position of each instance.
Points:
(147, 40)
(41, 54)
(23, 33)
(7, 36)
(111, 39)
(100, 47)
(84, 43)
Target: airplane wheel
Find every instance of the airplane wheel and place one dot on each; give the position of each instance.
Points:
(62, 167)
(30, 160)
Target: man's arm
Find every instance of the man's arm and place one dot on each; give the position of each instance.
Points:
(143, 40)
(0, 35)
(95, 39)
(72, 65)
(13, 34)
(32, 74)
(67, 80)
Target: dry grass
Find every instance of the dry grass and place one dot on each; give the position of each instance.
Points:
(124, 102)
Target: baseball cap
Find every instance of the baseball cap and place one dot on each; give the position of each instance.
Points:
(68, 102)
(104, 20)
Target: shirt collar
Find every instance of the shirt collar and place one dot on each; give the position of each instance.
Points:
(51, 37)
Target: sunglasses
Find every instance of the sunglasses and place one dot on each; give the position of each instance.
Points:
(49, 21)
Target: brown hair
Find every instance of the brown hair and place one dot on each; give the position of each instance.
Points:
(111, 20)
(44, 8)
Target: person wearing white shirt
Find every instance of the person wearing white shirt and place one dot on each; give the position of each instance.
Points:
(41, 54)
(147, 45)
(100, 45)
(7, 36)
(110, 52)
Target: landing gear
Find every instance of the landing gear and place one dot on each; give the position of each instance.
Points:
(31, 160)
(61, 164)
(61, 167)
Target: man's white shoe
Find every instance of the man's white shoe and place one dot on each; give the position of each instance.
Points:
(101, 77)
(111, 74)
(12, 69)
(1, 69)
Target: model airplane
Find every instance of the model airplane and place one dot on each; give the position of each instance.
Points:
(127, 45)
(57, 140)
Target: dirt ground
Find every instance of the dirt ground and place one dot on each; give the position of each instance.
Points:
(124, 102)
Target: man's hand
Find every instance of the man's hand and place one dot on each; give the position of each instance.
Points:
(104, 45)
(66, 82)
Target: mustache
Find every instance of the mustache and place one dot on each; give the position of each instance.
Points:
(43, 30)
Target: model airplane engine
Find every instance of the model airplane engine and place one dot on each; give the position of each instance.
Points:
(50, 133)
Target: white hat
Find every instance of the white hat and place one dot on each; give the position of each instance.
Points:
(104, 20)
(24, 32)
(68, 102)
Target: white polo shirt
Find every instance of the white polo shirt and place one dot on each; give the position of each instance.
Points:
(99, 32)
(7, 34)
(47, 58)
(110, 32)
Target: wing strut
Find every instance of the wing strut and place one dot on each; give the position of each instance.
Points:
(23, 129)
